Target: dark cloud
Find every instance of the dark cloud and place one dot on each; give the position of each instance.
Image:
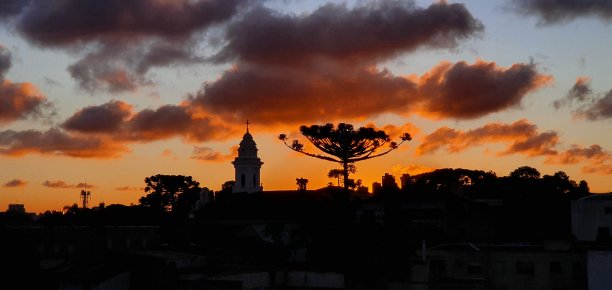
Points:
(16, 183)
(122, 40)
(521, 136)
(163, 122)
(63, 184)
(278, 94)
(174, 121)
(5, 61)
(117, 120)
(537, 145)
(108, 117)
(596, 159)
(580, 92)
(93, 73)
(10, 8)
(556, 11)
(104, 131)
(84, 185)
(64, 23)
(320, 65)
(129, 188)
(57, 142)
(599, 109)
(57, 184)
(592, 106)
(578, 154)
(116, 68)
(465, 91)
(379, 30)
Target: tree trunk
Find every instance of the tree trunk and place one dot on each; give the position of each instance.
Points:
(346, 175)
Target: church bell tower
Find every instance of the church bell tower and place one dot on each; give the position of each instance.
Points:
(247, 166)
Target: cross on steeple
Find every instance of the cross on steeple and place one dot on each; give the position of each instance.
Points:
(247, 123)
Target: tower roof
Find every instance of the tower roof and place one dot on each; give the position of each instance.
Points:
(247, 140)
(248, 147)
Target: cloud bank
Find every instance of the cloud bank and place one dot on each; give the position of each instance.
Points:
(118, 120)
(290, 95)
(520, 137)
(119, 40)
(555, 11)
(57, 142)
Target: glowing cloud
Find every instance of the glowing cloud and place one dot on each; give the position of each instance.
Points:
(315, 93)
(57, 142)
(596, 158)
(523, 136)
(104, 118)
(465, 91)
(117, 119)
(17, 100)
(208, 154)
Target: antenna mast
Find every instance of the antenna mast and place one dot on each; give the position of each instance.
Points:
(85, 196)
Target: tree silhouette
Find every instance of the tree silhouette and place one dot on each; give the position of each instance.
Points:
(301, 183)
(584, 187)
(339, 173)
(170, 193)
(525, 172)
(336, 173)
(343, 144)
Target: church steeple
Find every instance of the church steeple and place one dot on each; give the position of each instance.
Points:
(247, 165)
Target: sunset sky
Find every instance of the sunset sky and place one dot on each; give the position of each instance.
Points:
(110, 92)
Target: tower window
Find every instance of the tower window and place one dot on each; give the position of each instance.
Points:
(242, 180)
(254, 181)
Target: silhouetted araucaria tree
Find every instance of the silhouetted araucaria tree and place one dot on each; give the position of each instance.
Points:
(344, 144)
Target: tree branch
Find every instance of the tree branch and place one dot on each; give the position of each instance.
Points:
(377, 155)
(311, 154)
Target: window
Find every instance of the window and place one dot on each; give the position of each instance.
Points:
(242, 180)
(254, 181)
(555, 267)
(525, 268)
(608, 209)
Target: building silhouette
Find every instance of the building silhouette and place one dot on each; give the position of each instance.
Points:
(247, 166)
(388, 181)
